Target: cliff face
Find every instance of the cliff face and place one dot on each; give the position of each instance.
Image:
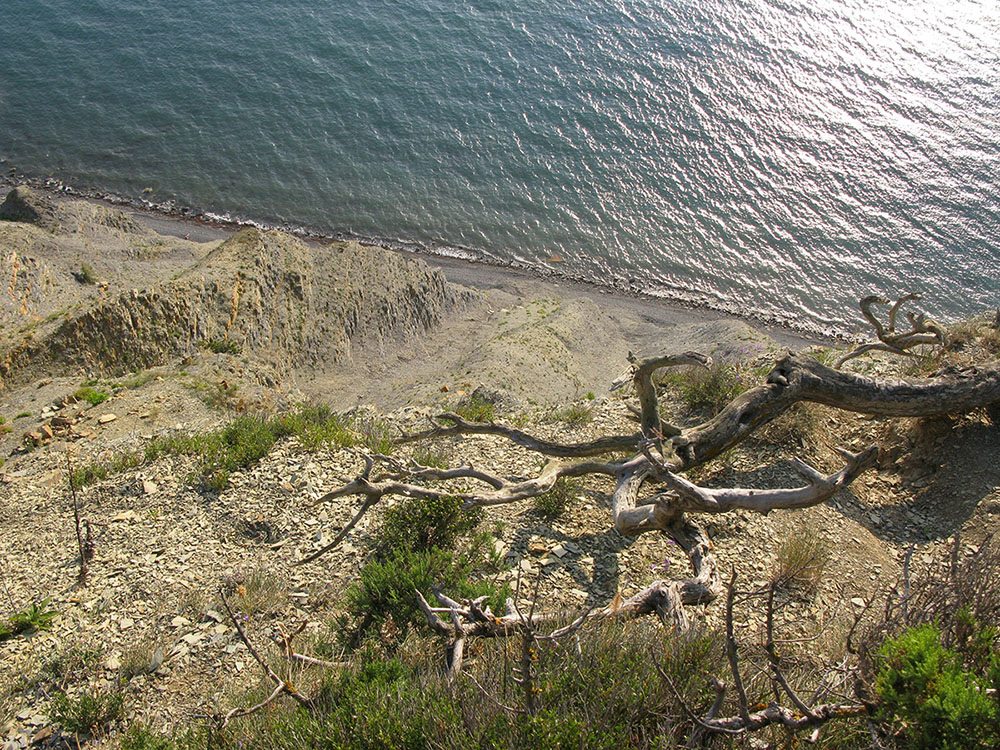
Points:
(266, 295)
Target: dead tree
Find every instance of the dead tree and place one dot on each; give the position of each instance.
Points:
(659, 454)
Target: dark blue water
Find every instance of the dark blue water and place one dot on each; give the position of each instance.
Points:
(774, 158)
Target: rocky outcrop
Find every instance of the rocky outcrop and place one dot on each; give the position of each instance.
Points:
(266, 295)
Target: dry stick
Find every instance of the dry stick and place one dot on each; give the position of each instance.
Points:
(772, 655)
(81, 544)
(731, 654)
(281, 686)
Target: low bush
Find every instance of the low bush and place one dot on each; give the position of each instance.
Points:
(802, 558)
(931, 700)
(220, 346)
(415, 550)
(711, 388)
(573, 415)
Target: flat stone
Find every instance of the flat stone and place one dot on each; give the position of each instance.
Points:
(105, 418)
(179, 622)
(149, 488)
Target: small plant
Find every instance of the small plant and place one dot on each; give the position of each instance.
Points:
(65, 667)
(257, 591)
(36, 617)
(22, 415)
(801, 560)
(375, 435)
(4, 427)
(423, 524)
(415, 550)
(476, 409)
(138, 379)
(553, 503)
(91, 395)
(218, 395)
(91, 712)
(86, 274)
(220, 346)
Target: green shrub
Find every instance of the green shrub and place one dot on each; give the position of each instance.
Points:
(415, 551)
(220, 346)
(930, 699)
(423, 524)
(92, 711)
(91, 395)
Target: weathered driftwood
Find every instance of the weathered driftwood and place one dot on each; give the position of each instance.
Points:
(923, 330)
(660, 453)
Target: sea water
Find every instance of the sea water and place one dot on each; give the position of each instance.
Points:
(779, 158)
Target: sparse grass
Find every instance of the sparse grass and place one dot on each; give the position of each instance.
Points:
(802, 558)
(138, 379)
(710, 389)
(22, 415)
(374, 434)
(800, 423)
(29, 620)
(138, 656)
(573, 415)
(257, 591)
(218, 395)
(435, 456)
(65, 667)
(91, 395)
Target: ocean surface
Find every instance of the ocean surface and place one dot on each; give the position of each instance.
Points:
(778, 158)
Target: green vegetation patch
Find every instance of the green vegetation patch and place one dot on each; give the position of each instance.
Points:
(930, 697)
(220, 346)
(91, 395)
(242, 443)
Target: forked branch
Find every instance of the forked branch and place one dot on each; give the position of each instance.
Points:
(923, 330)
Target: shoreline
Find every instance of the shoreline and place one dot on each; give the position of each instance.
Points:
(460, 266)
